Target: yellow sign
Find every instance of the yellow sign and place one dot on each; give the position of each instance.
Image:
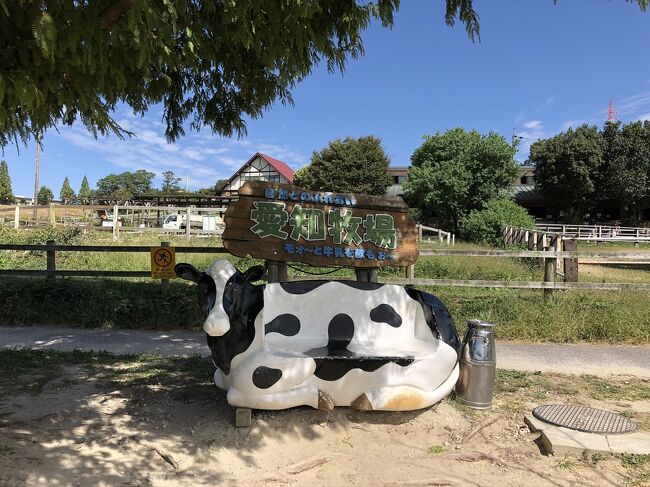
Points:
(163, 260)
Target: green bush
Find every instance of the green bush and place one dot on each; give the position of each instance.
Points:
(39, 236)
(484, 226)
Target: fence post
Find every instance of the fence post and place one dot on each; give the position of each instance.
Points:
(164, 283)
(276, 271)
(419, 232)
(453, 239)
(570, 264)
(188, 224)
(410, 271)
(550, 264)
(51, 261)
(17, 217)
(373, 274)
(448, 239)
(362, 274)
(116, 235)
(271, 271)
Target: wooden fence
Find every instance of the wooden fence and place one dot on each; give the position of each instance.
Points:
(116, 218)
(597, 233)
(442, 236)
(548, 258)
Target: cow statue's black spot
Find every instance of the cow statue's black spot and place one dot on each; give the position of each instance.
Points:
(340, 332)
(362, 286)
(301, 287)
(265, 377)
(385, 313)
(335, 360)
(286, 324)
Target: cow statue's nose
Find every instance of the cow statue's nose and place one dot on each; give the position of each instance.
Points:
(217, 323)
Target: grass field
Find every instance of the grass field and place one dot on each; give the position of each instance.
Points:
(569, 316)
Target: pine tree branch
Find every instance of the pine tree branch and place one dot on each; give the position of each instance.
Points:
(114, 13)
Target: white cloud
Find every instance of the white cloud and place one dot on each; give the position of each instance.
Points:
(643, 118)
(533, 131)
(202, 156)
(533, 125)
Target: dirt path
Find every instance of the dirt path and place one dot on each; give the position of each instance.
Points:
(120, 421)
(599, 360)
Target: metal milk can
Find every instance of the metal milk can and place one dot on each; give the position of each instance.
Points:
(477, 366)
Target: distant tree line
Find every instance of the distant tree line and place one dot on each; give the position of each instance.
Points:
(583, 171)
(117, 188)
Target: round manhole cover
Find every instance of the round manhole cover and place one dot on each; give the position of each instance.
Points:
(582, 418)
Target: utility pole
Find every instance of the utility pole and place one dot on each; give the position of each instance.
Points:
(38, 157)
(187, 182)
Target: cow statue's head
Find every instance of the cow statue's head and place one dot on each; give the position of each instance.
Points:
(219, 292)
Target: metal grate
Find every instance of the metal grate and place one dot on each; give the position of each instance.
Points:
(582, 418)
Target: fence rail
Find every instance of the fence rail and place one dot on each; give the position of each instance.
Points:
(443, 236)
(549, 258)
(116, 218)
(598, 233)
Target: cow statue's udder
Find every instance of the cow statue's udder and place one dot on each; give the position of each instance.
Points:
(325, 343)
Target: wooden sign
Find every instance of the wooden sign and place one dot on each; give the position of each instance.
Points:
(163, 260)
(281, 222)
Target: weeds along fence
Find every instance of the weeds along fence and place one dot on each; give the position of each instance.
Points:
(548, 258)
(180, 220)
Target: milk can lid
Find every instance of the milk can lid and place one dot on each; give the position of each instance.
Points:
(476, 323)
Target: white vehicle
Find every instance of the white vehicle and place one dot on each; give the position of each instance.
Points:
(179, 221)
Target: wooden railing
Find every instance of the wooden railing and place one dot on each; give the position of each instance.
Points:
(597, 233)
(442, 236)
(116, 219)
(548, 258)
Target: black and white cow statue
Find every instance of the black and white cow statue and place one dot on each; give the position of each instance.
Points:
(324, 343)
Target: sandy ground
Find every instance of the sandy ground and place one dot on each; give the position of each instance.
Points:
(78, 428)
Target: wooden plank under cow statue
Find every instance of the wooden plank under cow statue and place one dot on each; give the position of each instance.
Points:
(366, 345)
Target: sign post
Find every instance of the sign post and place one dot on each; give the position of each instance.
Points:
(281, 222)
(163, 260)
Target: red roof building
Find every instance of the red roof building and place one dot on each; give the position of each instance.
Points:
(260, 167)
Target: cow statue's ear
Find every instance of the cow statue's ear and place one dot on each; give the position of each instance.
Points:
(253, 274)
(187, 271)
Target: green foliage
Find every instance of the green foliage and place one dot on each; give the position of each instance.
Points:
(212, 190)
(580, 170)
(214, 63)
(6, 193)
(85, 192)
(625, 176)
(124, 186)
(484, 225)
(566, 166)
(44, 196)
(67, 193)
(457, 172)
(349, 165)
(170, 182)
(64, 235)
(301, 177)
(635, 460)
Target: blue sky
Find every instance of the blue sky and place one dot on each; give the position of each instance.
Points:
(539, 69)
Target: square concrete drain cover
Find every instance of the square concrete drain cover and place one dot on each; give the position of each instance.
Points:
(582, 418)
